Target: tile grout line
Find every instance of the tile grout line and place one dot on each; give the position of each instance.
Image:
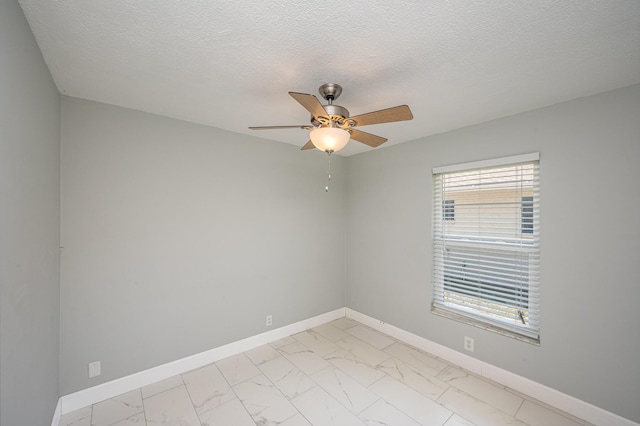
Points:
(190, 398)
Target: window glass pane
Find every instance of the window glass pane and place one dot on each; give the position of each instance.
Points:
(449, 210)
(527, 215)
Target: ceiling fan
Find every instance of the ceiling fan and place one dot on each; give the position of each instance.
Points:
(332, 127)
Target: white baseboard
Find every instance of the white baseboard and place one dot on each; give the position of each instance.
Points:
(545, 394)
(552, 397)
(57, 414)
(104, 391)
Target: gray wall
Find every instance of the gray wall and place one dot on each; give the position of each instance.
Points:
(29, 226)
(590, 243)
(179, 238)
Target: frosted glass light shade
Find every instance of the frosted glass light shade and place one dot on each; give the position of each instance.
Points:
(330, 139)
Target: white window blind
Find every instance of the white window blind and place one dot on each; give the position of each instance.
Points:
(486, 252)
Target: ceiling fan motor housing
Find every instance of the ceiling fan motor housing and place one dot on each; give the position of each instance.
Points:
(336, 113)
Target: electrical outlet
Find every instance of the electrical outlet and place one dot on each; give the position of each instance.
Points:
(269, 320)
(468, 343)
(94, 369)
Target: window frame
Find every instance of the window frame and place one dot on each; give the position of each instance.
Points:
(530, 250)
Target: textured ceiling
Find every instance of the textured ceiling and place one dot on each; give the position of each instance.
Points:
(230, 64)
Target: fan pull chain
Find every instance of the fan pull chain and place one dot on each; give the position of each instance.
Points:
(326, 188)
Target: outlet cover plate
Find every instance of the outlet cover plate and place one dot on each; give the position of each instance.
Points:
(94, 369)
(468, 343)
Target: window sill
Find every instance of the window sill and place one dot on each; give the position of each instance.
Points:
(485, 325)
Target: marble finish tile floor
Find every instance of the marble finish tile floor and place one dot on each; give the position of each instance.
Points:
(340, 373)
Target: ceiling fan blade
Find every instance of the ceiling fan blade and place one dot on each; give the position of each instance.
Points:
(399, 113)
(367, 138)
(300, 126)
(311, 103)
(308, 145)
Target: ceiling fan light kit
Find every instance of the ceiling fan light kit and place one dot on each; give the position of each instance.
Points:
(329, 139)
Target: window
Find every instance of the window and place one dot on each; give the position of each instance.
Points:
(527, 215)
(449, 210)
(486, 261)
